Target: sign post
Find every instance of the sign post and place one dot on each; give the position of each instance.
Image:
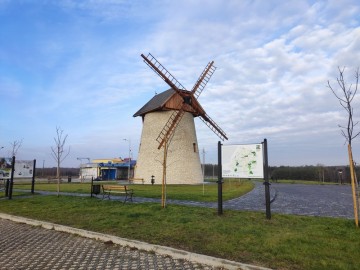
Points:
(33, 177)
(11, 183)
(266, 181)
(220, 181)
(249, 161)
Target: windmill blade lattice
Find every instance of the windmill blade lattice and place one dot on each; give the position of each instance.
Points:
(168, 131)
(159, 69)
(213, 126)
(203, 79)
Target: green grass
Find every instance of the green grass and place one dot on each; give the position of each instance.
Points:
(203, 193)
(284, 242)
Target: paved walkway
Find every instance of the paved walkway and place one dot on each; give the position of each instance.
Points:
(30, 244)
(297, 199)
(28, 247)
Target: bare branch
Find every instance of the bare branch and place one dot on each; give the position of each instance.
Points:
(58, 152)
(345, 95)
(15, 145)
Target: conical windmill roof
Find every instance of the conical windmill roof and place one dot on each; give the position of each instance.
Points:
(156, 103)
(169, 100)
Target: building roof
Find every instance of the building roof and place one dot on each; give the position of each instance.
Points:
(171, 100)
(156, 103)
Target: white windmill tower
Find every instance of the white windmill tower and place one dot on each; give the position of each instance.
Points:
(169, 117)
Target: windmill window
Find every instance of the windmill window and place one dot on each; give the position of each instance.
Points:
(187, 100)
(194, 146)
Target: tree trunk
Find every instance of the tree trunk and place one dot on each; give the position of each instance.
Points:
(58, 173)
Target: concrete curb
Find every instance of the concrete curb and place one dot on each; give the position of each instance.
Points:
(174, 253)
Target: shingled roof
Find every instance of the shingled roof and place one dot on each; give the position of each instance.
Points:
(156, 103)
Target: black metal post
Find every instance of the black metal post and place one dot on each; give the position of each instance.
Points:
(12, 177)
(220, 201)
(33, 177)
(7, 187)
(266, 181)
(92, 186)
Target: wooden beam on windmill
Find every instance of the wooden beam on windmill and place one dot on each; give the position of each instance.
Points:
(203, 79)
(163, 73)
(213, 126)
(197, 90)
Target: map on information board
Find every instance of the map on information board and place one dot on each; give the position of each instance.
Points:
(242, 161)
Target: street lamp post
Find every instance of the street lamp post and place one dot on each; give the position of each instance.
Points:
(129, 159)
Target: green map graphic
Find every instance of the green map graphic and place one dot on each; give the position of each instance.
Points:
(243, 161)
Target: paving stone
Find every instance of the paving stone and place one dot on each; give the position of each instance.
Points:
(296, 199)
(28, 247)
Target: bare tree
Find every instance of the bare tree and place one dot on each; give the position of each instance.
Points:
(345, 95)
(15, 145)
(59, 153)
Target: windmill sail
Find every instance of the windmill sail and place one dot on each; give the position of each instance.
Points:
(163, 73)
(213, 126)
(169, 128)
(203, 79)
(174, 119)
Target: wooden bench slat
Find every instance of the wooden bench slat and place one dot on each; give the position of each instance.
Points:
(137, 180)
(108, 189)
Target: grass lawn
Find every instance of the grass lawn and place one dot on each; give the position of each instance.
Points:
(284, 242)
(204, 193)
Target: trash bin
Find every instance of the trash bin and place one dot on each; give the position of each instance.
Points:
(96, 187)
(69, 179)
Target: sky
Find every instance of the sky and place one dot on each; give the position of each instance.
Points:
(76, 65)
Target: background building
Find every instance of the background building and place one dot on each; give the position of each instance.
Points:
(108, 169)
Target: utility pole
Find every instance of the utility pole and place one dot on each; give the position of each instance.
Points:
(203, 168)
(129, 159)
(81, 159)
(203, 171)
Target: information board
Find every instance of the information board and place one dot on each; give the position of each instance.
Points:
(242, 161)
(22, 168)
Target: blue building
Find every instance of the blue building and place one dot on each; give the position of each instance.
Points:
(108, 169)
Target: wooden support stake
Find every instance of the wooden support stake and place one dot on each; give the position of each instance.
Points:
(163, 190)
(353, 187)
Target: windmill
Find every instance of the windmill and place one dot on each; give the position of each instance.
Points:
(169, 117)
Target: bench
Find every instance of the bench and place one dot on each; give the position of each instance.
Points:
(132, 180)
(117, 189)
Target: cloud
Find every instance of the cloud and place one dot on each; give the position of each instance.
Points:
(83, 71)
